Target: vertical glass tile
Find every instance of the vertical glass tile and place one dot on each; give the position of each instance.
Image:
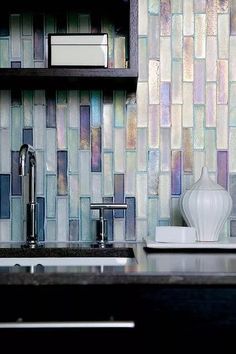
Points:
(39, 97)
(176, 84)
(84, 127)
(73, 230)
(232, 149)
(142, 149)
(153, 37)
(141, 195)
(62, 172)
(4, 24)
(61, 118)
(118, 194)
(143, 17)
(199, 82)
(153, 7)
(51, 230)
(50, 96)
(165, 17)
(165, 149)
(40, 172)
(210, 146)
(222, 81)
(96, 108)
(222, 168)
(16, 128)
(51, 192)
(73, 109)
(27, 22)
(84, 168)
(5, 196)
(107, 177)
(5, 108)
(188, 23)
(28, 108)
(154, 81)
(96, 163)
(119, 149)
(28, 136)
(73, 162)
(61, 97)
(176, 127)
(211, 12)
(15, 30)
(15, 64)
(39, 127)
(119, 104)
(108, 215)
(74, 196)
(119, 230)
(223, 6)
(41, 218)
(165, 58)
(38, 29)
(5, 151)
(165, 100)
(187, 150)
(141, 229)
(152, 217)
(188, 59)
(222, 127)
(130, 173)
(164, 195)
(232, 104)
(4, 53)
(232, 18)
(96, 194)
(142, 58)
(84, 23)
(199, 127)
(61, 23)
(223, 36)
(153, 124)
(95, 23)
(142, 104)
(5, 230)
(199, 6)
(85, 219)
(27, 53)
(107, 126)
(17, 220)
(200, 36)
(16, 99)
(177, 39)
(232, 228)
(108, 27)
(232, 58)
(130, 219)
(210, 105)
(16, 183)
(153, 171)
(51, 150)
(176, 217)
(176, 172)
(62, 219)
(232, 191)
(131, 130)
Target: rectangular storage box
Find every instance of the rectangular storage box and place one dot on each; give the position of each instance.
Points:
(78, 50)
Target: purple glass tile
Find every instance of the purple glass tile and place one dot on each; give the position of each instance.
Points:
(176, 172)
(41, 218)
(118, 193)
(96, 163)
(16, 183)
(233, 18)
(16, 64)
(28, 136)
(62, 185)
(4, 24)
(222, 168)
(73, 230)
(165, 100)
(38, 27)
(232, 191)
(50, 108)
(16, 99)
(4, 196)
(84, 127)
(130, 219)
(61, 21)
(199, 82)
(108, 215)
(165, 10)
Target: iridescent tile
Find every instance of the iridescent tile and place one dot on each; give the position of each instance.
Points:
(49, 24)
(222, 127)
(141, 195)
(210, 146)
(176, 216)
(223, 36)
(16, 97)
(187, 150)
(153, 124)
(73, 150)
(130, 219)
(38, 30)
(232, 18)
(199, 162)
(84, 97)
(84, 127)
(73, 109)
(165, 17)
(5, 196)
(210, 105)
(39, 64)
(62, 173)
(188, 180)
(73, 230)
(4, 53)
(188, 104)
(142, 104)
(61, 97)
(28, 108)
(5, 108)
(232, 149)
(141, 149)
(62, 220)
(199, 82)
(176, 172)
(119, 149)
(199, 119)
(5, 230)
(177, 6)
(74, 196)
(16, 180)
(177, 38)
(39, 126)
(95, 22)
(28, 136)
(40, 172)
(232, 228)
(176, 84)
(51, 164)
(84, 23)
(130, 174)
(141, 229)
(15, 64)
(51, 230)
(5, 151)
(27, 24)
(108, 27)
(96, 163)
(107, 174)
(120, 52)
(152, 217)
(51, 192)
(222, 168)
(118, 194)
(108, 215)
(222, 81)
(232, 58)
(95, 108)
(15, 30)
(4, 24)
(119, 230)
(223, 6)
(153, 171)
(165, 58)
(50, 96)
(153, 6)
(16, 128)
(39, 97)
(107, 125)
(165, 101)
(199, 6)
(165, 149)
(188, 23)
(143, 17)
(211, 12)
(153, 37)
(211, 58)
(27, 53)
(17, 233)
(232, 191)
(61, 22)
(164, 195)
(200, 36)
(232, 104)
(188, 59)
(84, 168)
(131, 126)
(119, 104)
(176, 127)
(154, 81)
(41, 219)
(96, 184)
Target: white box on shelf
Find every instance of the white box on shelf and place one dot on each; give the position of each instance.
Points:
(175, 234)
(78, 50)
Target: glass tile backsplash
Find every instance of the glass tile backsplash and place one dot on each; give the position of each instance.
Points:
(143, 148)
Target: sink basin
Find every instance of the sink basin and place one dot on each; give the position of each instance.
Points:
(75, 256)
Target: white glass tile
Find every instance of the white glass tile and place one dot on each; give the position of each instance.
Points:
(164, 195)
(5, 230)
(51, 230)
(74, 196)
(141, 195)
(142, 17)
(142, 149)
(5, 108)
(51, 158)
(62, 219)
(108, 169)
(165, 58)
(142, 103)
(84, 168)
(107, 126)
(222, 127)
(154, 81)
(5, 151)
(130, 174)
(188, 21)
(152, 217)
(119, 229)
(176, 127)
(39, 126)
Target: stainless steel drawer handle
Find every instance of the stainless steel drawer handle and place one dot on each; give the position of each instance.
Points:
(85, 324)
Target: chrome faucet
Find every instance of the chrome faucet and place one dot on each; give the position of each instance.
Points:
(27, 165)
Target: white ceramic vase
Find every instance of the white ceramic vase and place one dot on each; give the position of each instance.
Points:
(206, 206)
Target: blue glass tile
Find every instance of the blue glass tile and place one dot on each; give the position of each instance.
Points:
(4, 24)
(62, 185)
(176, 172)
(28, 136)
(96, 108)
(38, 29)
(85, 219)
(119, 194)
(130, 219)
(85, 127)
(96, 150)
(41, 218)
(16, 99)
(61, 23)
(73, 230)
(4, 196)
(222, 168)
(15, 64)
(16, 183)
(50, 108)
(108, 215)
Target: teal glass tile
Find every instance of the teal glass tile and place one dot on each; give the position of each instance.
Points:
(142, 60)
(49, 24)
(95, 107)
(4, 24)
(165, 149)
(232, 104)
(17, 220)
(62, 219)
(61, 97)
(73, 162)
(199, 162)
(130, 219)
(74, 196)
(51, 192)
(130, 175)
(40, 172)
(108, 215)
(16, 128)
(51, 230)
(73, 109)
(107, 126)
(188, 150)
(16, 97)
(165, 17)
(177, 38)
(5, 230)
(198, 132)
(39, 97)
(164, 222)
(153, 171)
(119, 149)
(177, 6)
(73, 22)
(107, 174)
(15, 31)
(41, 218)
(62, 166)
(39, 126)
(16, 180)
(84, 168)
(176, 217)
(61, 118)
(131, 126)
(27, 24)
(153, 6)
(4, 53)
(28, 107)
(210, 104)
(51, 164)
(142, 149)
(176, 85)
(141, 195)
(27, 53)
(84, 97)
(210, 145)
(153, 124)
(61, 22)
(85, 228)
(153, 37)
(84, 23)
(119, 108)
(5, 151)
(152, 217)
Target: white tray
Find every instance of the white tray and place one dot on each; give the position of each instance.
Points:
(220, 245)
